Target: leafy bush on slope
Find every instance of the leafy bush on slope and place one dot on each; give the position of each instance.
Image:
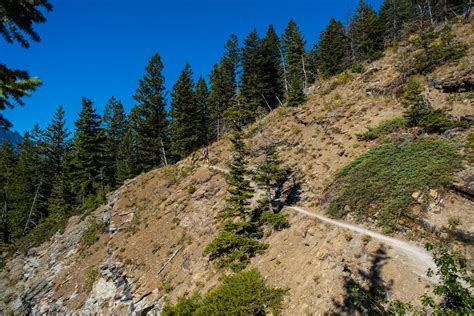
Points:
(244, 293)
(380, 182)
(384, 128)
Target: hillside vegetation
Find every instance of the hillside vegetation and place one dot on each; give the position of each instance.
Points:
(203, 224)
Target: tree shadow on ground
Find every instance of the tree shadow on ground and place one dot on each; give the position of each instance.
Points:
(289, 195)
(366, 293)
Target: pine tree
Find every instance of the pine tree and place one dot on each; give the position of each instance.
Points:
(313, 63)
(16, 22)
(223, 89)
(18, 18)
(60, 200)
(126, 157)
(14, 85)
(185, 128)
(367, 33)
(89, 151)
(252, 70)
(332, 49)
(148, 118)
(202, 100)
(270, 174)
(25, 198)
(394, 15)
(56, 139)
(238, 241)
(8, 163)
(260, 86)
(293, 46)
(115, 123)
(239, 191)
(273, 88)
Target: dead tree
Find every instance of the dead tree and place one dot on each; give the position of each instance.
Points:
(304, 72)
(163, 152)
(467, 14)
(33, 207)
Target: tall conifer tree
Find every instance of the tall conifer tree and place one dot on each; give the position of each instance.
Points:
(224, 86)
(26, 198)
(126, 157)
(293, 46)
(56, 139)
(239, 192)
(269, 174)
(367, 33)
(252, 69)
(148, 117)
(332, 49)
(115, 124)
(273, 90)
(394, 15)
(88, 151)
(8, 163)
(202, 103)
(185, 116)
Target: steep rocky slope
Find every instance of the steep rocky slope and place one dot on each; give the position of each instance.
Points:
(149, 250)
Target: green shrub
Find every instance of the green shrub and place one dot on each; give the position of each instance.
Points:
(90, 276)
(432, 121)
(191, 188)
(92, 232)
(334, 102)
(384, 128)
(340, 79)
(384, 178)
(244, 293)
(413, 94)
(91, 202)
(455, 286)
(231, 249)
(185, 306)
(453, 221)
(438, 48)
(357, 68)
(470, 145)
(419, 115)
(41, 233)
(277, 220)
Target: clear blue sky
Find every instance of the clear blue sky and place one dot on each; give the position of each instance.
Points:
(99, 48)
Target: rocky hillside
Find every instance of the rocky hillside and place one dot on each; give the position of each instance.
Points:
(144, 247)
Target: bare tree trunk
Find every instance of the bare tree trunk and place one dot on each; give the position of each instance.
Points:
(279, 101)
(394, 22)
(468, 11)
(169, 260)
(269, 198)
(165, 161)
(304, 72)
(445, 9)
(4, 220)
(284, 70)
(218, 126)
(421, 15)
(33, 207)
(268, 105)
(430, 12)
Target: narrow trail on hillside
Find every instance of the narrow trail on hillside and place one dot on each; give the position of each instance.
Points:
(421, 258)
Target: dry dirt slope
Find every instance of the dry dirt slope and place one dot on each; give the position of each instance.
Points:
(152, 251)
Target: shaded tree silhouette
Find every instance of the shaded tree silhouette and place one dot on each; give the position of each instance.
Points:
(291, 195)
(367, 292)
